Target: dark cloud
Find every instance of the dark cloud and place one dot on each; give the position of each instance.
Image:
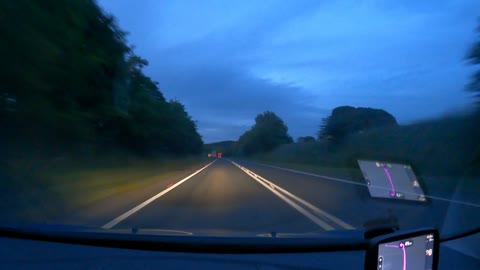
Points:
(225, 100)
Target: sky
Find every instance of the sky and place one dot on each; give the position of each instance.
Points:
(228, 61)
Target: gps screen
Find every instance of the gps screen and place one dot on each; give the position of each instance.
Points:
(391, 180)
(412, 253)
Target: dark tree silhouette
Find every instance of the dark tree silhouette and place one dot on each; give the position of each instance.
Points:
(71, 79)
(268, 132)
(347, 120)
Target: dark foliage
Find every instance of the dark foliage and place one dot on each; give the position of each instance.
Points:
(305, 139)
(268, 132)
(346, 120)
(69, 80)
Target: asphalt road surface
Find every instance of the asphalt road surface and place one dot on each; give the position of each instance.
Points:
(228, 196)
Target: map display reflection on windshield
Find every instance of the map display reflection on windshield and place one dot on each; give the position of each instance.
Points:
(391, 180)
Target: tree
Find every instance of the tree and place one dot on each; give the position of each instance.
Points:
(72, 81)
(305, 139)
(183, 135)
(268, 132)
(63, 58)
(347, 120)
(473, 57)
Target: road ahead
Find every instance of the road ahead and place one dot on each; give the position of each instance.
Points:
(228, 196)
(220, 197)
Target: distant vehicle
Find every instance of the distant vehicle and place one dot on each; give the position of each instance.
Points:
(219, 155)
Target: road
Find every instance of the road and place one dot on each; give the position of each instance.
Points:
(228, 196)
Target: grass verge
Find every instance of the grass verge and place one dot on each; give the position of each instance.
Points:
(340, 172)
(39, 191)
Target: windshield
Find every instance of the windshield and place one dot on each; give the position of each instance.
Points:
(240, 118)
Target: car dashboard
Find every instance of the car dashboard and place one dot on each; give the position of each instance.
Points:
(39, 252)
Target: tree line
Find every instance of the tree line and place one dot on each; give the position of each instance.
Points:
(70, 80)
(269, 130)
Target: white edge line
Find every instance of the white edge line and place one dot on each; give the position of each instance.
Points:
(319, 211)
(132, 211)
(365, 185)
(312, 174)
(297, 207)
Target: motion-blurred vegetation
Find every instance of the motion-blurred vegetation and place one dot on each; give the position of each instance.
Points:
(347, 120)
(473, 57)
(70, 82)
(447, 147)
(305, 139)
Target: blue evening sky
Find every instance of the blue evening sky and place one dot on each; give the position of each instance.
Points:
(228, 60)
